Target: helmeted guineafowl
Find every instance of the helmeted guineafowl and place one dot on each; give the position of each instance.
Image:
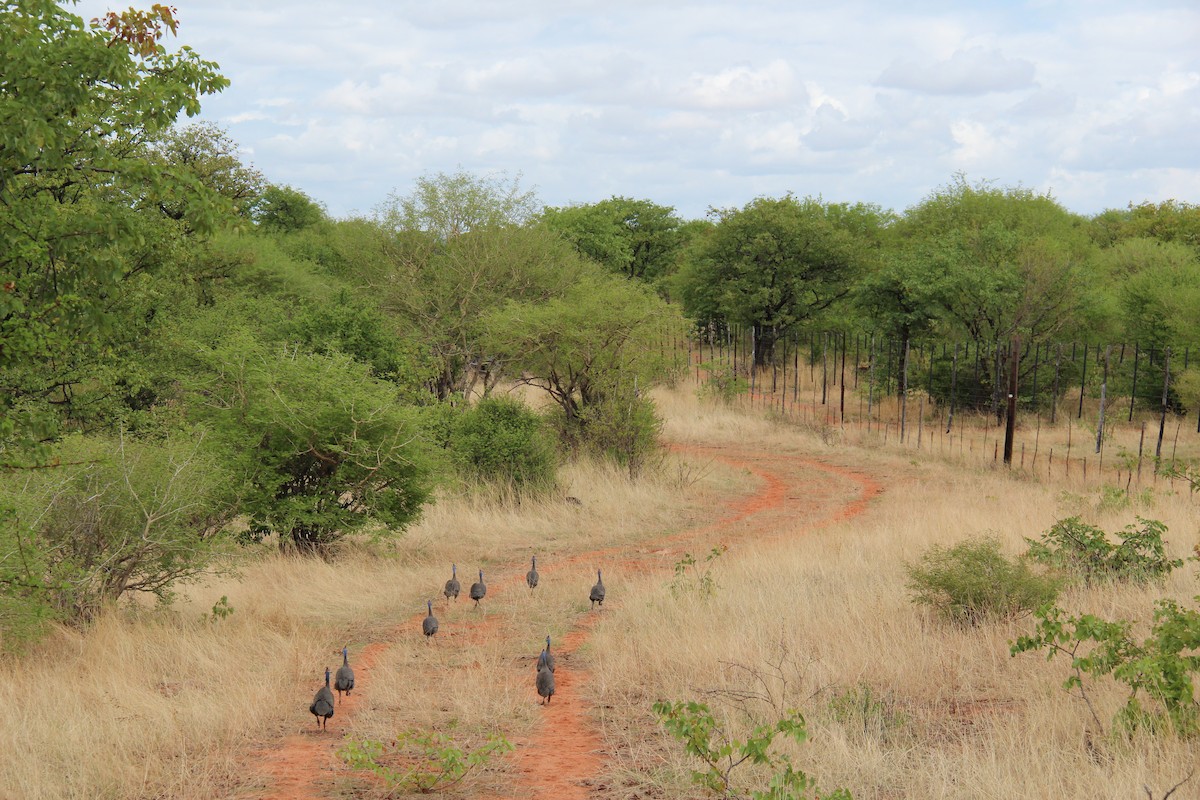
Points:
(597, 595)
(546, 658)
(452, 586)
(344, 681)
(322, 704)
(478, 589)
(545, 683)
(429, 625)
(531, 577)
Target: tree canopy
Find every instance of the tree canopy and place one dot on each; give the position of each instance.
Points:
(773, 264)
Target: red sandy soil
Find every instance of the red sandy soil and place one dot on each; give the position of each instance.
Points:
(563, 758)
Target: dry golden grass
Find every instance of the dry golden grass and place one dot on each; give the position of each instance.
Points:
(953, 715)
(158, 703)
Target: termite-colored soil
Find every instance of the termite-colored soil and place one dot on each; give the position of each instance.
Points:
(563, 757)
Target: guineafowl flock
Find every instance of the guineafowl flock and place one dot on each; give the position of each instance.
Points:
(323, 702)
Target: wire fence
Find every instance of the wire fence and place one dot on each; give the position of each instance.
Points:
(1116, 414)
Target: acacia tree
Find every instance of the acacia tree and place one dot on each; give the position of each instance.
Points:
(445, 293)
(773, 264)
(444, 206)
(595, 348)
(81, 197)
(1154, 288)
(285, 209)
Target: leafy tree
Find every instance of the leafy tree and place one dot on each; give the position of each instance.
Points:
(77, 106)
(898, 299)
(320, 446)
(986, 264)
(447, 292)
(325, 449)
(598, 340)
(1168, 221)
(773, 264)
(444, 206)
(208, 153)
(1155, 287)
(998, 261)
(635, 238)
(282, 208)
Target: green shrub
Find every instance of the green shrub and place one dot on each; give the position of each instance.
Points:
(706, 739)
(120, 516)
(1086, 551)
(501, 440)
(692, 578)
(973, 582)
(623, 428)
(1159, 671)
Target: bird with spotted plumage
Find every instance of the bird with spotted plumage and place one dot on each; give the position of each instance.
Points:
(452, 586)
(478, 589)
(597, 595)
(531, 577)
(322, 704)
(546, 658)
(344, 681)
(429, 625)
(544, 681)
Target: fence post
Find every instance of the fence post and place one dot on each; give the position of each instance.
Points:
(904, 392)
(1133, 390)
(842, 389)
(1162, 420)
(1010, 424)
(1082, 383)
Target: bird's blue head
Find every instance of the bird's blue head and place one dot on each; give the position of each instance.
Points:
(481, 575)
(327, 676)
(345, 656)
(453, 569)
(547, 643)
(429, 606)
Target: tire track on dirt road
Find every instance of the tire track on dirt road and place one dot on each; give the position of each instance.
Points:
(563, 758)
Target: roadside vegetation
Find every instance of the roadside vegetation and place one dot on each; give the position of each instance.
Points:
(236, 433)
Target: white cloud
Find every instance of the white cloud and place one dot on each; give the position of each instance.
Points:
(977, 144)
(860, 100)
(967, 72)
(743, 88)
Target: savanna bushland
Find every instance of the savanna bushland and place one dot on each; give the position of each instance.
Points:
(237, 434)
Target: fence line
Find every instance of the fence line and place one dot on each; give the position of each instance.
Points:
(955, 391)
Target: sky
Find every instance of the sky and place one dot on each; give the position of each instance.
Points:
(709, 104)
